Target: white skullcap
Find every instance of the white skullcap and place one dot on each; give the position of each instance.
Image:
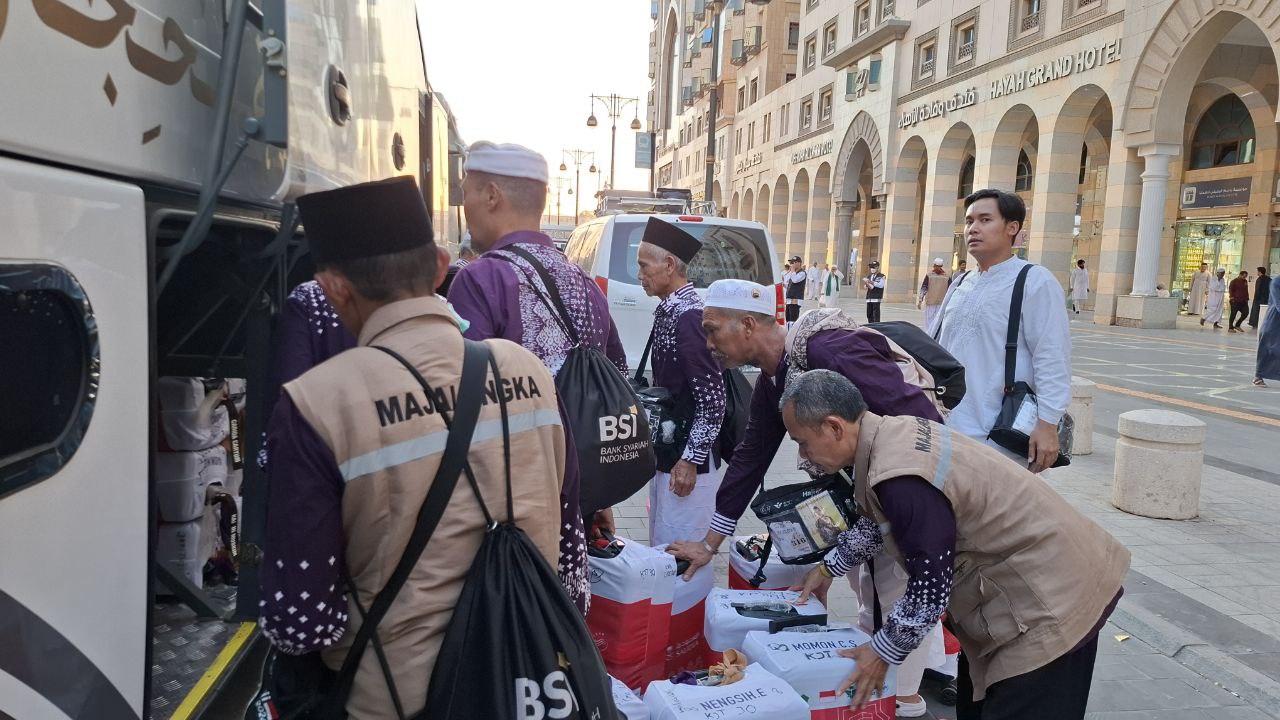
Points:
(1221, 269)
(508, 160)
(741, 295)
(937, 261)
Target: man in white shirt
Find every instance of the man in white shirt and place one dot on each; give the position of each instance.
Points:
(1199, 285)
(1217, 297)
(1079, 286)
(974, 323)
(814, 290)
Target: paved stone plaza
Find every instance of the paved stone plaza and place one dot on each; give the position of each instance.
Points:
(1200, 619)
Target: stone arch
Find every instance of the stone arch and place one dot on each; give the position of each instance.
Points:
(798, 229)
(763, 206)
(849, 163)
(1264, 126)
(1169, 66)
(938, 223)
(734, 204)
(778, 214)
(748, 209)
(670, 69)
(820, 216)
(717, 196)
(1005, 144)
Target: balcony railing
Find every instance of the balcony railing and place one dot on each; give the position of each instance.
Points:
(864, 25)
(738, 54)
(688, 22)
(653, 39)
(886, 9)
(739, 7)
(653, 69)
(965, 51)
(1031, 22)
(699, 9)
(753, 38)
(697, 87)
(926, 67)
(686, 95)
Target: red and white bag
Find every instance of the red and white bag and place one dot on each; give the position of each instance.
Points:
(809, 663)
(686, 648)
(760, 694)
(655, 667)
(726, 628)
(629, 706)
(620, 619)
(778, 575)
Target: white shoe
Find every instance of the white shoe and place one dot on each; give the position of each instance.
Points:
(911, 710)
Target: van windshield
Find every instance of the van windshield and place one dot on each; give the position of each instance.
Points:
(728, 252)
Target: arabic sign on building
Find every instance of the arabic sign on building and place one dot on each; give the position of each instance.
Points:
(1216, 193)
(749, 161)
(1102, 54)
(939, 108)
(813, 151)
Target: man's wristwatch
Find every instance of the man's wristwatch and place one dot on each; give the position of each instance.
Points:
(707, 546)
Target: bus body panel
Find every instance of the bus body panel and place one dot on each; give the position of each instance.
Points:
(75, 544)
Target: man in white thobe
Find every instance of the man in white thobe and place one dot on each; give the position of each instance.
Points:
(1217, 297)
(814, 289)
(1199, 284)
(975, 321)
(1079, 286)
(831, 279)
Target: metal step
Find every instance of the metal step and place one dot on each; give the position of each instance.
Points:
(191, 659)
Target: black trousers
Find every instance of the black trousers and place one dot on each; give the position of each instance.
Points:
(873, 311)
(1254, 313)
(793, 311)
(1240, 308)
(1057, 691)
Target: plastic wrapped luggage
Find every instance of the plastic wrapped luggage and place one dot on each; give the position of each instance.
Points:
(744, 562)
(760, 694)
(621, 620)
(178, 547)
(809, 663)
(727, 626)
(687, 647)
(630, 707)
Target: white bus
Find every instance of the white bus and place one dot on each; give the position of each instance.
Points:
(149, 154)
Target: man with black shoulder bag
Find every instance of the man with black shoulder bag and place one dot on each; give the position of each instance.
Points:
(1007, 324)
(366, 451)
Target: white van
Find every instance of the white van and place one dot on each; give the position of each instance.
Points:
(605, 248)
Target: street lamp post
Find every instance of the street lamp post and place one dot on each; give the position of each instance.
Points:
(614, 105)
(560, 183)
(714, 7)
(577, 157)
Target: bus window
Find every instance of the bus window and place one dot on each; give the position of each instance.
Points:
(50, 357)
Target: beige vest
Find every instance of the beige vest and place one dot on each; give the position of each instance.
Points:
(936, 289)
(387, 439)
(1032, 575)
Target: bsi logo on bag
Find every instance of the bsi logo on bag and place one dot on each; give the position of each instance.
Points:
(560, 702)
(619, 427)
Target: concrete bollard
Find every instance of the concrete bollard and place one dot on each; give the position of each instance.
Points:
(1081, 411)
(1159, 462)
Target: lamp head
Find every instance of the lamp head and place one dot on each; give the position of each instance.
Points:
(592, 168)
(563, 167)
(635, 124)
(591, 120)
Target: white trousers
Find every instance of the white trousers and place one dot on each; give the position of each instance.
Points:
(891, 582)
(673, 518)
(930, 312)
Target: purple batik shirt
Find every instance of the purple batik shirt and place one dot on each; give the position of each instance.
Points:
(502, 302)
(863, 358)
(683, 365)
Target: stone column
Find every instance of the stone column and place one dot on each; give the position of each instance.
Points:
(844, 235)
(898, 246)
(1155, 189)
(1054, 200)
(1142, 308)
(1119, 229)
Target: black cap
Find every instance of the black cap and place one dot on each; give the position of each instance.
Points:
(671, 238)
(365, 220)
(874, 264)
(794, 258)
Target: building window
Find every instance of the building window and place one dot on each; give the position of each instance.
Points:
(806, 115)
(751, 135)
(793, 36)
(812, 4)
(810, 53)
(737, 139)
(783, 116)
(1078, 12)
(788, 78)
(886, 9)
(928, 59)
(824, 106)
(829, 39)
(755, 90)
(965, 36)
(50, 359)
(742, 97)
(765, 128)
(1029, 15)
(1026, 174)
(1224, 135)
(966, 179)
(864, 18)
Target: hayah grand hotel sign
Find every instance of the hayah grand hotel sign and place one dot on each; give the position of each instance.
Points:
(1084, 60)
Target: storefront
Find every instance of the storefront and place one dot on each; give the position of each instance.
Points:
(1216, 241)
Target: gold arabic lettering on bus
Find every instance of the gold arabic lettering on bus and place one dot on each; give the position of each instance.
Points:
(100, 33)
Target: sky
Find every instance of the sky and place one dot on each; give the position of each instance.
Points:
(524, 72)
